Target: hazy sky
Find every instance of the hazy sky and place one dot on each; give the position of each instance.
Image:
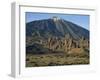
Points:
(82, 20)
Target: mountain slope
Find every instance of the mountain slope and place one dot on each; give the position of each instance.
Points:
(55, 27)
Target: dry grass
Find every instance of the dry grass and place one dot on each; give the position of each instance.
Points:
(56, 59)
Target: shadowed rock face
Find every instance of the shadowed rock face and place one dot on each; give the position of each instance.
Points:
(55, 27)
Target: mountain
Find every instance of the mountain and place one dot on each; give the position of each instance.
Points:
(55, 35)
(55, 27)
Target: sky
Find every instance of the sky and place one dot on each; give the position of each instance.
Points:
(81, 20)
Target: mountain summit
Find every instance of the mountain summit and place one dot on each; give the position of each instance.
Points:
(55, 18)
